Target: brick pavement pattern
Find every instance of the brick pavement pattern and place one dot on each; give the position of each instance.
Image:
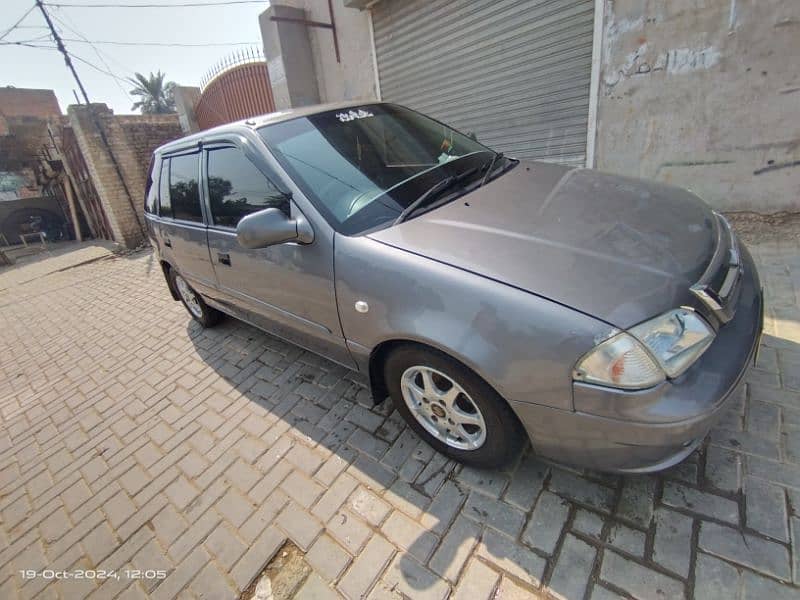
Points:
(133, 439)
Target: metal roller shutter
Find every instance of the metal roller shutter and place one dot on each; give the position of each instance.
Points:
(516, 72)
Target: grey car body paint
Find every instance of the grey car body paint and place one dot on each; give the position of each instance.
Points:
(517, 280)
(619, 249)
(524, 345)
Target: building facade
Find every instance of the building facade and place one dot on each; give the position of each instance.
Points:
(696, 94)
(31, 198)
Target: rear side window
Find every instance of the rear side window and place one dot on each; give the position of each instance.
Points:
(165, 209)
(237, 188)
(184, 192)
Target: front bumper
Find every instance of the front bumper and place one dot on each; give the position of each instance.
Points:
(650, 430)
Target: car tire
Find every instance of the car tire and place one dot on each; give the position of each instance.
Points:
(448, 405)
(193, 302)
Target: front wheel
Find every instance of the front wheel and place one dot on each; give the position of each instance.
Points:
(451, 408)
(194, 303)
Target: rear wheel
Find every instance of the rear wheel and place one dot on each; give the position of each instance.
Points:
(451, 408)
(194, 303)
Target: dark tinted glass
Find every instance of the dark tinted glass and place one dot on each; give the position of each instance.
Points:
(183, 190)
(165, 209)
(237, 188)
(362, 166)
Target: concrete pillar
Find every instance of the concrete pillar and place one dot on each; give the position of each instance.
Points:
(289, 59)
(186, 98)
(124, 221)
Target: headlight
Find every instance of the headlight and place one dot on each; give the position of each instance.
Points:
(662, 347)
(676, 339)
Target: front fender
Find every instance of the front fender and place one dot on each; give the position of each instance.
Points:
(523, 345)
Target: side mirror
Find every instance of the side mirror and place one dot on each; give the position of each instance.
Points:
(271, 226)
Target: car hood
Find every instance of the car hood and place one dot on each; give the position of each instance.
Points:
(620, 249)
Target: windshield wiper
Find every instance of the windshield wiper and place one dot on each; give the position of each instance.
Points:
(497, 156)
(437, 188)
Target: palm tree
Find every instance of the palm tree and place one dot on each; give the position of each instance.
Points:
(155, 94)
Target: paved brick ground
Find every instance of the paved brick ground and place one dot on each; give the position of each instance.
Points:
(131, 439)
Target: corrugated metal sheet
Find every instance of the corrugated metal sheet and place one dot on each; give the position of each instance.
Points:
(516, 72)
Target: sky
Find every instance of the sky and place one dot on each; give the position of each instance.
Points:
(25, 67)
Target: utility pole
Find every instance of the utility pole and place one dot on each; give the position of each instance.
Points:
(63, 50)
(97, 124)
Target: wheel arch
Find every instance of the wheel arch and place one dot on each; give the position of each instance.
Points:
(166, 268)
(379, 354)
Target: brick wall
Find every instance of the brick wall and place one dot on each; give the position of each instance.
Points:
(132, 139)
(21, 102)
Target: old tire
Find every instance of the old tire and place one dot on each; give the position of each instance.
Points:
(194, 303)
(452, 408)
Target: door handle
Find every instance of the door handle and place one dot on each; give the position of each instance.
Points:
(224, 259)
(168, 243)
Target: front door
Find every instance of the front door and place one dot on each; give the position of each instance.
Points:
(287, 288)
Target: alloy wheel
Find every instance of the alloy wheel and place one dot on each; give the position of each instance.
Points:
(443, 408)
(189, 297)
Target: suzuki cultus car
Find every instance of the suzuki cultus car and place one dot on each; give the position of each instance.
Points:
(607, 319)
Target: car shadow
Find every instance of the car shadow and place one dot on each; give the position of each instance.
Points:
(537, 526)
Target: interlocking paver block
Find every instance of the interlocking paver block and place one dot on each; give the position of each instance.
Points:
(766, 508)
(715, 579)
(637, 580)
(477, 583)
(672, 547)
(627, 539)
(709, 505)
(745, 549)
(582, 490)
(415, 581)
(257, 555)
(546, 522)
(349, 530)
(369, 506)
(512, 557)
(573, 568)
(491, 483)
(409, 535)
(366, 568)
(303, 490)
(224, 546)
(327, 558)
(455, 549)
(301, 527)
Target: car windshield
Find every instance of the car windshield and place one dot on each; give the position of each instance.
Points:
(363, 166)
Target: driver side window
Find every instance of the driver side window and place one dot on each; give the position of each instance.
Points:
(237, 188)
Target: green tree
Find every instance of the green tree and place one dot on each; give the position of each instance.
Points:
(155, 94)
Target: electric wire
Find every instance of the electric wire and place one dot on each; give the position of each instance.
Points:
(173, 5)
(15, 25)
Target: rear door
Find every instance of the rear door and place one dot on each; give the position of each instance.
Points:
(183, 230)
(287, 288)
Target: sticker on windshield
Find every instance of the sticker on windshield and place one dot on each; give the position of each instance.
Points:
(352, 115)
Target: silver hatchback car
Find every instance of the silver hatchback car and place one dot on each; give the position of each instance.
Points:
(607, 319)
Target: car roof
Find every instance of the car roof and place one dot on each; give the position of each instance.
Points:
(262, 120)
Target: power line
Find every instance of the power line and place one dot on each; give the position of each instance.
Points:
(175, 5)
(64, 20)
(96, 51)
(15, 25)
(26, 44)
(99, 69)
(164, 44)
